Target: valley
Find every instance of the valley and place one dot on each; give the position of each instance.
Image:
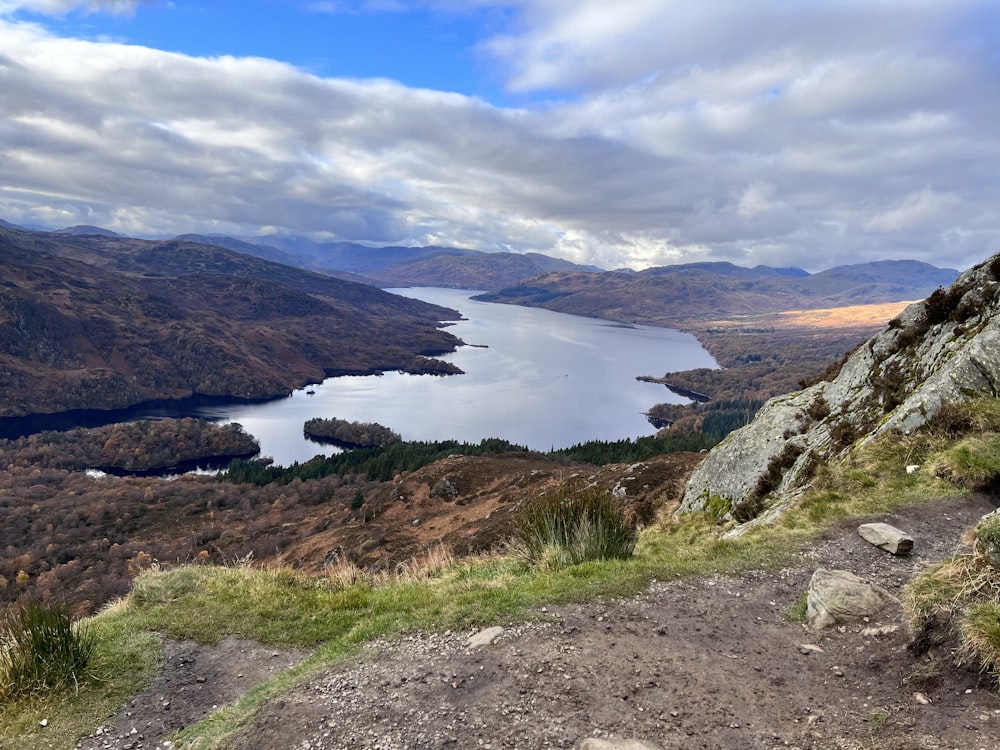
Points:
(409, 514)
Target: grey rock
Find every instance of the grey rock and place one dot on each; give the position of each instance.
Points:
(943, 350)
(837, 596)
(592, 743)
(887, 537)
(444, 488)
(484, 637)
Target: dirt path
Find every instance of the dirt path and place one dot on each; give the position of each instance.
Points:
(706, 663)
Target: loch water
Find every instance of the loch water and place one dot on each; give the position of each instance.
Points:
(534, 377)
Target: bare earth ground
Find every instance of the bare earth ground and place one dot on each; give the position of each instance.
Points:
(704, 663)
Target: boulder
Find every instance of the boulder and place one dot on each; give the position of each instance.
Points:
(837, 596)
(887, 537)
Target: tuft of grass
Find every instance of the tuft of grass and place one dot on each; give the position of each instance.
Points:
(878, 718)
(568, 528)
(988, 530)
(797, 611)
(973, 462)
(957, 602)
(41, 650)
(980, 634)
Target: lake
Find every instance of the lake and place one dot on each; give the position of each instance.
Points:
(534, 377)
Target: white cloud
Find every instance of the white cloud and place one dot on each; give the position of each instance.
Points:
(62, 7)
(915, 210)
(809, 134)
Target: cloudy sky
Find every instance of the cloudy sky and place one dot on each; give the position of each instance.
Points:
(634, 133)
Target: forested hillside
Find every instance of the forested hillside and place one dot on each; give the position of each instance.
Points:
(98, 322)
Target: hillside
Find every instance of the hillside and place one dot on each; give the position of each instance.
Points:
(399, 266)
(102, 322)
(471, 271)
(679, 295)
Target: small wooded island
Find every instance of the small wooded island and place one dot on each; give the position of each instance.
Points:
(349, 434)
(148, 446)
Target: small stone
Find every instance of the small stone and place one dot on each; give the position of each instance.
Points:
(887, 537)
(484, 637)
(875, 632)
(44, 722)
(592, 743)
(810, 648)
(922, 699)
(912, 468)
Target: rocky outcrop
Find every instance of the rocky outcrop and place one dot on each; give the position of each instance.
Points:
(944, 349)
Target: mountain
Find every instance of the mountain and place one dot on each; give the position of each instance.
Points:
(268, 252)
(670, 295)
(101, 322)
(351, 256)
(398, 266)
(938, 352)
(470, 270)
(86, 230)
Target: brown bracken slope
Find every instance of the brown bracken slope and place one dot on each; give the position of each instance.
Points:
(97, 322)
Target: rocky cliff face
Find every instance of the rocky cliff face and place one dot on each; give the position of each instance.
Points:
(944, 349)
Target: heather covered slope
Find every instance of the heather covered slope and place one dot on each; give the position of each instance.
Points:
(98, 322)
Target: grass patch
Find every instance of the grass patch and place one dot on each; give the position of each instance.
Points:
(957, 604)
(980, 631)
(973, 462)
(42, 651)
(574, 526)
(797, 612)
(878, 718)
(122, 661)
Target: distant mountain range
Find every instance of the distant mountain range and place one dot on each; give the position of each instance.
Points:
(399, 266)
(662, 295)
(93, 320)
(672, 295)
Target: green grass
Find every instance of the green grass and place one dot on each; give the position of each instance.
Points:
(988, 530)
(42, 651)
(956, 603)
(973, 462)
(980, 631)
(122, 662)
(333, 615)
(573, 526)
